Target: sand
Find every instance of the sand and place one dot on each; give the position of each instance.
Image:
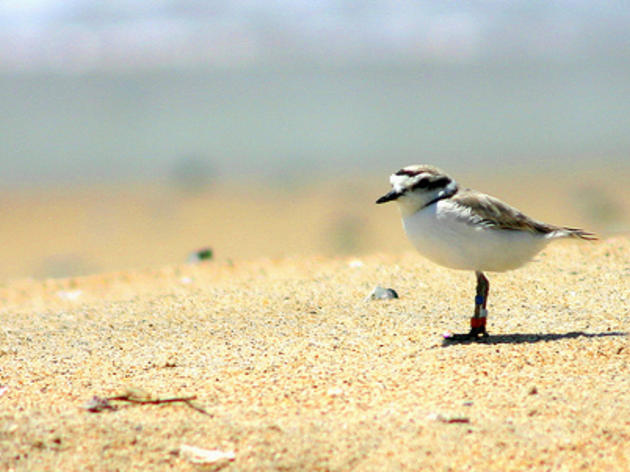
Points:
(297, 371)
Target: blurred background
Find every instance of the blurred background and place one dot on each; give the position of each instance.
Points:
(133, 133)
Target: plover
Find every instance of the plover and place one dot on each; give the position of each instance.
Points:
(468, 230)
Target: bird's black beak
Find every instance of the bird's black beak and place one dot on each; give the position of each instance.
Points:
(388, 197)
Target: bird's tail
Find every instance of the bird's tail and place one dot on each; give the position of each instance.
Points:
(576, 233)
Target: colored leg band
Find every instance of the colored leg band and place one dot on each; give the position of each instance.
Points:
(479, 299)
(476, 322)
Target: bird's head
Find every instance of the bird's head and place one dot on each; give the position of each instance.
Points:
(416, 186)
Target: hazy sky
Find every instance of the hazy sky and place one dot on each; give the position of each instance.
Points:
(76, 35)
(99, 90)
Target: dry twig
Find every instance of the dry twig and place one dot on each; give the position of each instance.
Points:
(98, 404)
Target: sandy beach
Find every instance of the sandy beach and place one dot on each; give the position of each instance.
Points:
(292, 369)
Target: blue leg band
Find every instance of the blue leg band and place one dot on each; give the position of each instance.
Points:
(479, 299)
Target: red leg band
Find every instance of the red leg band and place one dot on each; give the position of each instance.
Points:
(477, 322)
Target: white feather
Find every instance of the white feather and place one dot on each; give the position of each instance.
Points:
(446, 234)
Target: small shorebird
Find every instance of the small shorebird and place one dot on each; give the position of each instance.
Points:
(468, 230)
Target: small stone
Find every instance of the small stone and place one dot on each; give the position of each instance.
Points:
(447, 419)
(334, 391)
(200, 255)
(98, 404)
(70, 295)
(533, 390)
(197, 455)
(381, 293)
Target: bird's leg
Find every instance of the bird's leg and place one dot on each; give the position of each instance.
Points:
(478, 321)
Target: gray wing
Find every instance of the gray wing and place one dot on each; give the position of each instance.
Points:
(493, 213)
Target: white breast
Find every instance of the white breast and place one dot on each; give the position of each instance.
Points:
(441, 234)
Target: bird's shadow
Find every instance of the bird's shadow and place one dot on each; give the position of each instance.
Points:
(523, 338)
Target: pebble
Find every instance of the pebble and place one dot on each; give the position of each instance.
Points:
(381, 293)
(334, 392)
(198, 455)
(98, 404)
(447, 419)
(70, 295)
(200, 255)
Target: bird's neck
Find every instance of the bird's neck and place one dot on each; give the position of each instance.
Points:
(414, 202)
